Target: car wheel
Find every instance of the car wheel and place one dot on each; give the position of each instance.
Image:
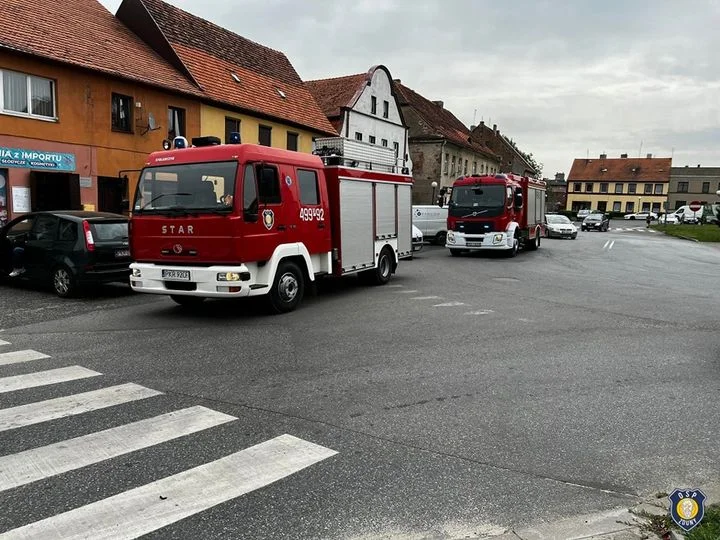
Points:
(440, 238)
(64, 282)
(632, 218)
(574, 236)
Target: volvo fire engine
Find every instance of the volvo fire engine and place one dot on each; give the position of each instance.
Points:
(237, 220)
(501, 212)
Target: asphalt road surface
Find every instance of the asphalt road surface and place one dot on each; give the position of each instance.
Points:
(470, 395)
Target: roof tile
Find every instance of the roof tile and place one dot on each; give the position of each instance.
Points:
(655, 169)
(333, 94)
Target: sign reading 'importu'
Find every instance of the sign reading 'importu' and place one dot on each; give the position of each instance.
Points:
(33, 159)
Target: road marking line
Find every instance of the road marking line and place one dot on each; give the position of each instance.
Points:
(52, 409)
(481, 312)
(407, 291)
(150, 507)
(38, 463)
(4, 342)
(42, 378)
(451, 304)
(394, 286)
(607, 243)
(17, 357)
(611, 245)
(426, 298)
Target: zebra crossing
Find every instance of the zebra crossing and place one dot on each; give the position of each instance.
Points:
(142, 509)
(632, 229)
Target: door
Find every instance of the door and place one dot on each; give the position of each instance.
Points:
(39, 250)
(54, 191)
(15, 235)
(112, 195)
(312, 214)
(264, 212)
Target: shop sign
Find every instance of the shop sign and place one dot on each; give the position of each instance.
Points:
(34, 159)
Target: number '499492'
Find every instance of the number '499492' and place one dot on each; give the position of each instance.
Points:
(310, 214)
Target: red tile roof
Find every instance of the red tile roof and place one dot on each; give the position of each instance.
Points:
(438, 122)
(212, 53)
(646, 169)
(333, 94)
(85, 34)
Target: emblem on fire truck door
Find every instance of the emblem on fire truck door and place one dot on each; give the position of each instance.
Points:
(268, 219)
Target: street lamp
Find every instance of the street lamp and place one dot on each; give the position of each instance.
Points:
(434, 185)
(639, 208)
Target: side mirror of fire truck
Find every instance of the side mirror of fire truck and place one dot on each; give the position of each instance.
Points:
(518, 199)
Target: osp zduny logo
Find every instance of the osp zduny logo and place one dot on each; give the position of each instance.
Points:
(687, 507)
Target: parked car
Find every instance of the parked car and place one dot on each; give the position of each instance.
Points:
(559, 226)
(669, 219)
(582, 214)
(432, 221)
(66, 249)
(641, 215)
(596, 222)
(685, 215)
(417, 239)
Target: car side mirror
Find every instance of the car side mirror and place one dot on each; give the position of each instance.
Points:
(518, 200)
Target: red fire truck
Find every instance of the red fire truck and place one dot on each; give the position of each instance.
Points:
(237, 220)
(502, 212)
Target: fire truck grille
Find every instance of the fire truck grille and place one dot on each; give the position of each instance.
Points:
(474, 227)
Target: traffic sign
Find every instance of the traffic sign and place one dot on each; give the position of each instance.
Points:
(695, 206)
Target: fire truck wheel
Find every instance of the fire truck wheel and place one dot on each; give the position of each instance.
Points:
(381, 274)
(456, 252)
(288, 289)
(187, 301)
(515, 247)
(534, 244)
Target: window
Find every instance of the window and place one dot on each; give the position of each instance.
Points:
(656, 207)
(250, 191)
(26, 94)
(373, 105)
(265, 135)
(44, 228)
(371, 138)
(269, 185)
(629, 207)
(396, 147)
(632, 188)
(617, 206)
(384, 142)
(465, 168)
(706, 187)
(577, 186)
(67, 231)
(603, 188)
(447, 164)
(659, 189)
(648, 189)
(358, 136)
(602, 206)
(589, 187)
(619, 189)
(292, 141)
(176, 122)
(307, 180)
(474, 169)
(386, 109)
(452, 167)
(678, 204)
(682, 187)
(121, 113)
(232, 125)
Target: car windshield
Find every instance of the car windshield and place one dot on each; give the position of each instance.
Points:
(557, 220)
(477, 201)
(186, 187)
(594, 217)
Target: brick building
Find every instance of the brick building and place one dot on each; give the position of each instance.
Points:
(511, 158)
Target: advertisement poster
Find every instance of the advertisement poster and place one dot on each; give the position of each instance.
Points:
(3, 197)
(32, 159)
(20, 199)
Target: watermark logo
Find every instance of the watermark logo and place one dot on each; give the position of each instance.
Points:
(687, 507)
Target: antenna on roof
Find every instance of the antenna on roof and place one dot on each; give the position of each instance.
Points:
(640, 151)
(474, 116)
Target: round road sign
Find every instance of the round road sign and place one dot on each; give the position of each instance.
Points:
(695, 206)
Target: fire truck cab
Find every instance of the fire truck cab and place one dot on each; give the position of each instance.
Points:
(237, 220)
(502, 212)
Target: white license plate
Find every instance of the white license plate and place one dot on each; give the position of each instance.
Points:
(180, 275)
(122, 253)
(474, 244)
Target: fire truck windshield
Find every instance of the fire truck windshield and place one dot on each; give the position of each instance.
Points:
(195, 187)
(481, 200)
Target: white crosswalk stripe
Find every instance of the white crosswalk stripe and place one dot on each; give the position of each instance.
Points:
(146, 508)
(17, 357)
(52, 409)
(42, 378)
(152, 506)
(4, 342)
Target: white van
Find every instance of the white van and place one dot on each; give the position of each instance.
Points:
(685, 215)
(432, 221)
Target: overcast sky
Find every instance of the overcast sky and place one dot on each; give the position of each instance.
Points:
(560, 78)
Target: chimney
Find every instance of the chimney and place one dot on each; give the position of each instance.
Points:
(624, 156)
(482, 123)
(698, 166)
(495, 129)
(649, 156)
(397, 81)
(472, 128)
(439, 104)
(603, 156)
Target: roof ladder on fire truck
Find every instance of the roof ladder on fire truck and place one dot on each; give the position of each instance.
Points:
(358, 154)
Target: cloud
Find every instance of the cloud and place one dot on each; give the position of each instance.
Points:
(560, 78)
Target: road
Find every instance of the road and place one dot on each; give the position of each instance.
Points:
(469, 396)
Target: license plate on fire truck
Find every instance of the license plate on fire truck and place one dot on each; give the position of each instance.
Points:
(178, 275)
(474, 244)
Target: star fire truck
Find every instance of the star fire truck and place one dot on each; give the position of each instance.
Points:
(237, 220)
(502, 212)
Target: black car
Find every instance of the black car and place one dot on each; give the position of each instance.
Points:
(65, 249)
(596, 222)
